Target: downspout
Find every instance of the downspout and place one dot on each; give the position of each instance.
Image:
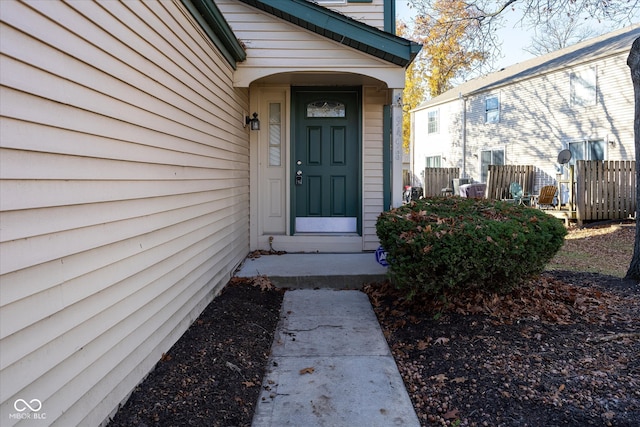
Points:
(412, 152)
(390, 16)
(387, 155)
(464, 135)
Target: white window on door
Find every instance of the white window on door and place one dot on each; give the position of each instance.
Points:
(326, 109)
(583, 89)
(587, 150)
(494, 156)
(275, 134)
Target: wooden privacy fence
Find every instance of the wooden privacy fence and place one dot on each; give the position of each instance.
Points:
(605, 190)
(406, 177)
(500, 178)
(436, 179)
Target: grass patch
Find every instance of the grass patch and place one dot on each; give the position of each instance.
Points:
(605, 249)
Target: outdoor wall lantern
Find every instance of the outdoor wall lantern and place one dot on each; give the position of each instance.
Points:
(253, 122)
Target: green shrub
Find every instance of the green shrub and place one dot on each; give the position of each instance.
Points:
(448, 243)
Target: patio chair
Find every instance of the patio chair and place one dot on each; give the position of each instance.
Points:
(547, 196)
(517, 195)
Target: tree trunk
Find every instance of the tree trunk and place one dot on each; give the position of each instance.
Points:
(633, 61)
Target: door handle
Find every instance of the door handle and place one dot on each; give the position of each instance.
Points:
(298, 177)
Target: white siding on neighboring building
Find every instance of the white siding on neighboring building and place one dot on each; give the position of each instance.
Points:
(537, 118)
(538, 115)
(124, 196)
(438, 142)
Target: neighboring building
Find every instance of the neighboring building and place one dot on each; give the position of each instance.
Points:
(132, 186)
(579, 98)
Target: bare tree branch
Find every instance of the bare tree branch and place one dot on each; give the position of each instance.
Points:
(559, 33)
(490, 16)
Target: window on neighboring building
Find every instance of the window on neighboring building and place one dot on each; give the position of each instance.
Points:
(583, 89)
(433, 125)
(586, 150)
(434, 161)
(492, 109)
(494, 156)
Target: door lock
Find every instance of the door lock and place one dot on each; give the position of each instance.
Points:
(298, 177)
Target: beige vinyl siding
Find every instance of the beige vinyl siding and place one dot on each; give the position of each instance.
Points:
(274, 45)
(124, 196)
(371, 13)
(372, 164)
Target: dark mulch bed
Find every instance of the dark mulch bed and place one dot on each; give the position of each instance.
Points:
(212, 375)
(564, 352)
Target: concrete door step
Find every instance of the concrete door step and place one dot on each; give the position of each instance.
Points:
(316, 270)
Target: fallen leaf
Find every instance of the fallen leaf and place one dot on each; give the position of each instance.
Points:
(308, 370)
(440, 378)
(263, 282)
(442, 340)
(248, 383)
(475, 309)
(399, 323)
(459, 380)
(422, 344)
(450, 415)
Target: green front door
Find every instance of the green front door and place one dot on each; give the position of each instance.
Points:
(326, 161)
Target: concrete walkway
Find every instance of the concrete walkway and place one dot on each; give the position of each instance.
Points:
(331, 366)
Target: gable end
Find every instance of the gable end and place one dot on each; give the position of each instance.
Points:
(342, 29)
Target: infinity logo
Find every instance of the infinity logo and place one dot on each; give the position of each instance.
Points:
(21, 405)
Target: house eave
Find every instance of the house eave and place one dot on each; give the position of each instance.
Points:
(212, 22)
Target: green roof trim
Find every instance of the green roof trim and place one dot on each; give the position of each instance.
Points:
(342, 29)
(211, 20)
